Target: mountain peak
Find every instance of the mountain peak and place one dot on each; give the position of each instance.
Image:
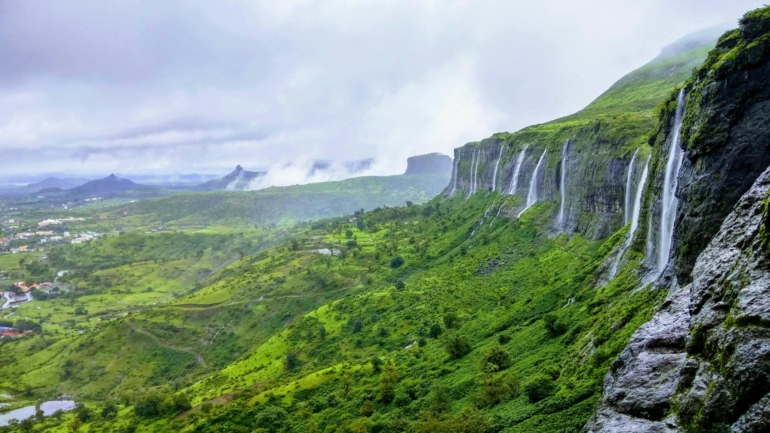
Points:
(238, 168)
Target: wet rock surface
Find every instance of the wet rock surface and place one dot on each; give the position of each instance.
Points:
(702, 363)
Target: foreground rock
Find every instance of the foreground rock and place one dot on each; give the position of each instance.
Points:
(703, 362)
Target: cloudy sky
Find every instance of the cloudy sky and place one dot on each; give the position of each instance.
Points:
(132, 86)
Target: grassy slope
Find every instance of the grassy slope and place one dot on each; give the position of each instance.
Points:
(237, 324)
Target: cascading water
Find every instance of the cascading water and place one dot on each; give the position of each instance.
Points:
(473, 165)
(629, 189)
(636, 210)
(638, 199)
(563, 186)
(532, 195)
(517, 171)
(670, 183)
(497, 164)
(455, 175)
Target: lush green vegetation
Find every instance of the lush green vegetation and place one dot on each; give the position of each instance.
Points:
(429, 317)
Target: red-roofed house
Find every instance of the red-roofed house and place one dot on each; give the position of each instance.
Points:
(7, 333)
(23, 287)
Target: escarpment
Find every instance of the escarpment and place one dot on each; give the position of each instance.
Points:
(702, 363)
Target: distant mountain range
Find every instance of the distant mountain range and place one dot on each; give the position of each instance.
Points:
(108, 186)
(238, 180)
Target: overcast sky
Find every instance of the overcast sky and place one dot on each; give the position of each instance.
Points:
(93, 87)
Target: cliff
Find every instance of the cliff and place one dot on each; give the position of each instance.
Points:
(701, 363)
(595, 146)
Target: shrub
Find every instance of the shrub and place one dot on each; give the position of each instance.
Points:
(400, 285)
(553, 325)
(496, 390)
(367, 409)
(503, 338)
(496, 359)
(539, 387)
(396, 262)
(457, 346)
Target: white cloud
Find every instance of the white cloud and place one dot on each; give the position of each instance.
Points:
(144, 86)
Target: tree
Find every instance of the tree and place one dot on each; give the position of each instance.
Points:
(150, 406)
(388, 383)
(348, 233)
(435, 331)
(291, 361)
(396, 262)
(400, 285)
(109, 411)
(376, 364)
(81, 311)
(356, 326)
(451, 321)
(409, 203)
(496, 359)
(457, 346)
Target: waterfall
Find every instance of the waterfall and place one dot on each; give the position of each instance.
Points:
(638, 199)
(629, 188)
(476, 172)
(635, 212)
(532, 195)
(455, 174)
(563, 185)
(670, 183)
(473, 164)
(517, 170)
(497, 164)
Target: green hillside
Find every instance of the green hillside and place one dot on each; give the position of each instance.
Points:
(446, 315)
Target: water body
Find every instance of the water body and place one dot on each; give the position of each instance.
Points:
(670, 183)
(532, 197)
(563, 185)
(629, 189)
(497, 164)
(48, 408)
(517, 171)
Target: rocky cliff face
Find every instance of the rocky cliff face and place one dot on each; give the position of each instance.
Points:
(596, 161)
(702, 364)
(432, 163)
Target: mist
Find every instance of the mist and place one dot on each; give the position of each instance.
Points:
(89, 88)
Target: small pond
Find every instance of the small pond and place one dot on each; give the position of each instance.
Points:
(48, 408)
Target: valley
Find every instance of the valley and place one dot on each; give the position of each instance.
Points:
(602, 272)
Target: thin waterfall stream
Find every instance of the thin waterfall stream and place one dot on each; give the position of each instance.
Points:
(497, 164)
(563, 186)
(670, 183)
(532, 195)
(517, 171)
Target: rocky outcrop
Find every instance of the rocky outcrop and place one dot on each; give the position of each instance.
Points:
(432, 163)
(726, 135)
(702, 364)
